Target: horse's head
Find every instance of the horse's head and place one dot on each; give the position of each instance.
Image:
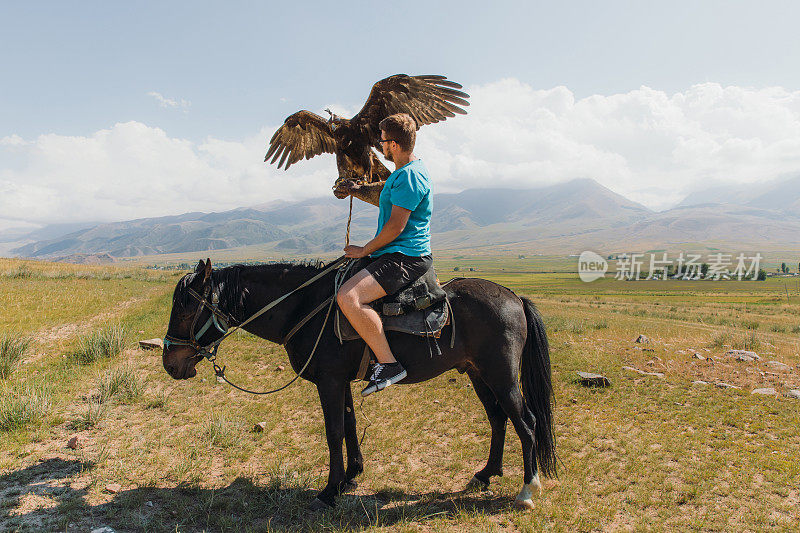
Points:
(189, 323)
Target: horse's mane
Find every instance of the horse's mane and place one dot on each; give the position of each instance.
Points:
(181, 294)
(232, 295)
(272, 268)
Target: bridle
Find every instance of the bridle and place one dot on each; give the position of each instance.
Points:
(217, 318)
(221, 321)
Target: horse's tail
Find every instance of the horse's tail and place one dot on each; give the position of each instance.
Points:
(537, 388)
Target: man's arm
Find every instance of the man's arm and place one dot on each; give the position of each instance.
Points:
(367, 192)
(389, 232)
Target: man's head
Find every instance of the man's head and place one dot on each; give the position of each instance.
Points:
(398, 134)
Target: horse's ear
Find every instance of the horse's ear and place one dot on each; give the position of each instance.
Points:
(200, 267)
(207, 271)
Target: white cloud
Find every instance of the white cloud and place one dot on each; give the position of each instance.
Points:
(650, 146)
(6, 223)
(132, 171)
(163, 101)
(12, 140)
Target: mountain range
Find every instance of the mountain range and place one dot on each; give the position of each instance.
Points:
(563, 218)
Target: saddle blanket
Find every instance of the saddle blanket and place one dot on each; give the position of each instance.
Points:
(424, 323)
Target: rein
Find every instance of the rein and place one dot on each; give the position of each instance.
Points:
(209, 351)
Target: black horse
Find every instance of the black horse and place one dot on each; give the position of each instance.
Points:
(500, 342)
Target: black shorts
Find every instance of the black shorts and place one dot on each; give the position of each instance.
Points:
(395, 271)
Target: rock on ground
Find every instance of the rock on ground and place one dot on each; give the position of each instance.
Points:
(723, 385)
(152, 344)
(766, 391)
(588, 379)
(642, 339)
(744, 355)
(794, 393)
(777, 365)
(642, 372)
(699, 382)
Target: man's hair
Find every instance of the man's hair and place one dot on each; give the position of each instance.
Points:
(401, 128)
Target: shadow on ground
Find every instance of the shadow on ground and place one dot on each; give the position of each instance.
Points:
(274, 506)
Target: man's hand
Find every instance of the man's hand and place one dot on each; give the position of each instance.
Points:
(355, 252)
(345, 188)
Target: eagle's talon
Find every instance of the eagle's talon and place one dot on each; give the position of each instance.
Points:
(345, 187)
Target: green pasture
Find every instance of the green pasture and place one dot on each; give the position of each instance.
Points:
(648, 453)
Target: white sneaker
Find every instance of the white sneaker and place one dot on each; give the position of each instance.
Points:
(384, 375)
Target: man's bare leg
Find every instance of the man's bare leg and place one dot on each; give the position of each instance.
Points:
(353, 298)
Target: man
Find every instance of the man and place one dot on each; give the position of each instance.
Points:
(401, 249)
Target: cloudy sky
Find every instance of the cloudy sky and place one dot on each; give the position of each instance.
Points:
(113, 111)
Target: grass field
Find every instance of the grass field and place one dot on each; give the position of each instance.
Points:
(154, 454)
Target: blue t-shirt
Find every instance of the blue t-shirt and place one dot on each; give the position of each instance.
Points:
(408, 187)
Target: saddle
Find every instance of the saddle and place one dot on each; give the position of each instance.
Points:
(420, 309)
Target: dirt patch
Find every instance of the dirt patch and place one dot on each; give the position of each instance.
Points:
(33, 493)
(61, 333)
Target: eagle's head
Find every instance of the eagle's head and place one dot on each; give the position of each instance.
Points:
(335, 120)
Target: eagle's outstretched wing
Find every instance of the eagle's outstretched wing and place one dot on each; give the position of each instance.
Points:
(303, 135)
(428, 99)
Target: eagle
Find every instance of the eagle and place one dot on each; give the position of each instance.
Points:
(303, 135)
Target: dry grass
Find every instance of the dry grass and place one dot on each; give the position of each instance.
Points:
(12, 350)
(646, 454)
(94, 413)
(121, 382)
(23, 405)
(103, 344)
(221, 431)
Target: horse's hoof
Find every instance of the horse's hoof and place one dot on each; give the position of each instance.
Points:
(524, 500)
(349, 486)
(476, 485)
(523, 505)
(318, 505)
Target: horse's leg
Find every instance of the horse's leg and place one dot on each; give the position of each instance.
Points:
(355, 461)
(331, 395)
(512, 402)
(498, 420)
